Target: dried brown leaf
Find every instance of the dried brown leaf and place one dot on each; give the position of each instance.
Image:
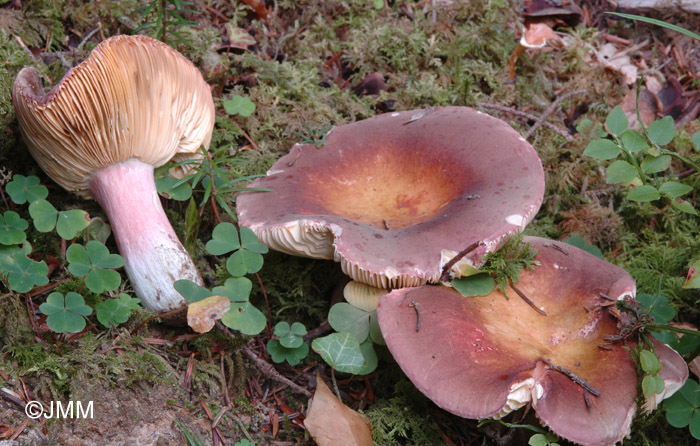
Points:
(332, 423)
(202, 315)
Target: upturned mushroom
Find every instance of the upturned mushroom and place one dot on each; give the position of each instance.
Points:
(133, 105)
(395, 198)
(487, 356)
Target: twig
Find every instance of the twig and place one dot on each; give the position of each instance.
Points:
(576, 379)
(324, 328)
(549, 110)
(446, 269)
(269, 371)
(268, 330)
(528, 300)
(90, 34)
(529, 116)
(416, 306)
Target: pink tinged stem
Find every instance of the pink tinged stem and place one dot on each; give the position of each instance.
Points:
(154, 257)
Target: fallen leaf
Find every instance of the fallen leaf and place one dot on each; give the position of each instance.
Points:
(332, 423)
(615, 60)
(649, 107)
(239, 38)
(203, 314)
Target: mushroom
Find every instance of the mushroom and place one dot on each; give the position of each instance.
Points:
(535, 35)
(133, 105)
(397, 197)
(487, 356)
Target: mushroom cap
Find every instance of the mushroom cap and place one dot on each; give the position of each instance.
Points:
(133, 98)
(485, 356)
(395, 197)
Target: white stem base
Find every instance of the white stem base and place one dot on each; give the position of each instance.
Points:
(154, 257)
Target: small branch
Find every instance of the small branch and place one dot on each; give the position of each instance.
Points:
(553, 106)
(324, 328)
(446, 269)
(269, 371)
(563, 133)
(416, 306)
(576, 379)
(90, 34)
(528, 300)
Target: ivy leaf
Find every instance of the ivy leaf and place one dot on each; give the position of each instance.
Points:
(12, 228)
(23, 273)
(65, 315)
(620, 172)
(169, 188)
(602, 149)
(662, 131)
(224, 239)
(616, 121)
(341, 351)
(239, 105)
(644, 193)
(345, 318)
(671, 189)
(652, 164)
(26, 189)
(477, 285)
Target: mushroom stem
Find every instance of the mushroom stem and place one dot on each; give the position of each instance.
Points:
(153, 255)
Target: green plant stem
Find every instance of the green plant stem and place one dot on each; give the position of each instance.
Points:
(632, 160)
(682, 158)
(659, 327)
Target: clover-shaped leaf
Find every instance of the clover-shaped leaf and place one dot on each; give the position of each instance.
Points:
(26, 189)
(658, 307)
(43, 214)
(224, 239)
(113, 312)
(250, 241)
(12, 228)
(71, 222)
(173, 188)
(65, 315)
(245, 318)
(191, 291)
(95, 262)
(280, 353)
(67, 223)
(683, 408)
(244, 262)
(22, 273)
(341, 351)
(239, 105)
(290, 336)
